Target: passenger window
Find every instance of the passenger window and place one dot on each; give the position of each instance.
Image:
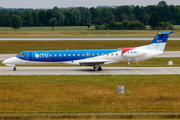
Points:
(102, 54)
(107, 54)
(55, 55)
(83, 55)
(87, 54)
(50, 55)
(73, 54)
(93, 54)
(60, 55)
(98, 54)
(64, 55)
(116, 53)
(112, 54)
(78, 54)
(69, 55)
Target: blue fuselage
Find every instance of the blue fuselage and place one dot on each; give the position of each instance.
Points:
(62, 55)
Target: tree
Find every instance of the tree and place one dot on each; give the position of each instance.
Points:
(53, 22)
(88, 25)
(6, 20)
(48, 16)
(125, 24)
(2, 20)
(154, 20)
(35, 14)
(16, 22)
(146, 18)
(132, 17)
(137, 12)
(85, 16)
(111, 24)
(162, 3)
(42, 17)
(28, 18)
(124, 16)
(75, 17)
(160, 25)
(15, 12)
(136, 25)
(58, 15)
(167, 25)
(118, 25)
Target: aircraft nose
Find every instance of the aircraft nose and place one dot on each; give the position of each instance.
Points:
(9, 61)
(5, 61)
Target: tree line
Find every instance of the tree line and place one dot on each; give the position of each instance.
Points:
(74, 17)
(98, 16)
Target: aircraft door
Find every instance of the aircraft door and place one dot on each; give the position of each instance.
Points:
(30, 56)
(88, 55)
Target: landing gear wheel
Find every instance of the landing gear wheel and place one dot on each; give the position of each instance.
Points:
(99, 69)
(14, 69)
(94, 68)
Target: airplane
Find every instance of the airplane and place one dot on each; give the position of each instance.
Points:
(94, 58)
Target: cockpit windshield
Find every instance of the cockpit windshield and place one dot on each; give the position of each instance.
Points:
(20, 55)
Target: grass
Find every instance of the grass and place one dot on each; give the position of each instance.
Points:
(61, 28)
(73, 94)
(176, 27)
(14, 47)
(95, 118)
(40, 32)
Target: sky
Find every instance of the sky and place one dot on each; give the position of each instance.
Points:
(78, 3)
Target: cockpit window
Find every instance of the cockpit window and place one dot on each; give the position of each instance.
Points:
(20, 55)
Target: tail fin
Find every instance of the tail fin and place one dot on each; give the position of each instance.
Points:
(159, 42)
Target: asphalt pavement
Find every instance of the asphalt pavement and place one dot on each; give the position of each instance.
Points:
(89, 71)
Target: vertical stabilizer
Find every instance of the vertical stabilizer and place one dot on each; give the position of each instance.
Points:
(159, 42)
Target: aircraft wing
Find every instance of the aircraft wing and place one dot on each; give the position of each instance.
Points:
(92, 63)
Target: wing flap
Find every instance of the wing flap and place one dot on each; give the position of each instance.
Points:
(92, 63)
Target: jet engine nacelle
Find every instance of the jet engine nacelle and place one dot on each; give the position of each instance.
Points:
(135, 53)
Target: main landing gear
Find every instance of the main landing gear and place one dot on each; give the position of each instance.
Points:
(14, 69)
(99, 69)
(96, 67)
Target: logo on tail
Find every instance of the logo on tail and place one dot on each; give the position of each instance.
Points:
(159, 42)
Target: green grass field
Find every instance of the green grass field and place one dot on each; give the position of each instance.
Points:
(76, 31)
(79, 93)
(61, 28)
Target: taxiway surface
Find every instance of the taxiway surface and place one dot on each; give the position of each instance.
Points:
(89, 71)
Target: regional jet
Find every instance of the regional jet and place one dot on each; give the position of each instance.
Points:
(94, 58)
